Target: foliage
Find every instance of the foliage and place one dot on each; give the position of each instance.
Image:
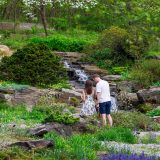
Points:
(145, 73)
(118, 134)
(59, 23)
(34, 64)
(10, 85)
(117, 47)
(119, 70)
(60, 85)
(144, 108)
(74, 101)
(134, 121)
(61, 43)
(60, 117)
(155, 112)
(127, 157)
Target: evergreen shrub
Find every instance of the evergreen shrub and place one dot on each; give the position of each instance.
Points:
(34, 64)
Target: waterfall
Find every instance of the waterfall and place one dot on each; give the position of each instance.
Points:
(81, 77)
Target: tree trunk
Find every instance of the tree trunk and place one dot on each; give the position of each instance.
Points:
(43, 16)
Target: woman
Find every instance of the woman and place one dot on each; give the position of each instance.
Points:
(87, 96)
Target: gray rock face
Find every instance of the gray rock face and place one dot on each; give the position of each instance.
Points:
(151, 95)
(112, 77)
(127, 100)
(34, 144)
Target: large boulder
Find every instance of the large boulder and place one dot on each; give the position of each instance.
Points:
(35, 144)
(127, 100)
(5, 51)
(112, 77)
(92, 69)
(61, 129)
(151, 95)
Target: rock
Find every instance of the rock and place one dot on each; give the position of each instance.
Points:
(61, 129)
(156, 119)
(154, 57)
(151, 95)
(70, 56)
(125, 86)
(34, 144)
(127, 100)
(28, 97)
(5, 51)
(7, 91)
(92, 69)
(112, 77)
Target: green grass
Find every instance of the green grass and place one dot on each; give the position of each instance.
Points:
(153, 53)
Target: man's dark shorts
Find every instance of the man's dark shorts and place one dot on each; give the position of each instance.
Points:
(105, 107)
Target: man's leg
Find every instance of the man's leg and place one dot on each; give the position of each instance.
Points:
(103, 119)
(110, 120)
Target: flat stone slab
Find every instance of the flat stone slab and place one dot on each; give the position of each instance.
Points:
(112, 77)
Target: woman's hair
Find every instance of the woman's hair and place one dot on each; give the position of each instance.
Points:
(88, 86)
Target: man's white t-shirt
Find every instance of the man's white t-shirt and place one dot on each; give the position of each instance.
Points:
(103, 88)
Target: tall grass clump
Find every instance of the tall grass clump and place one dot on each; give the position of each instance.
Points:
(146, 73)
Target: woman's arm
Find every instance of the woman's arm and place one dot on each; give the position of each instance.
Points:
(83, 96)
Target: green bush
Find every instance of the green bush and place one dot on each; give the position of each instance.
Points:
(134, 120)
(118, 134)
(144, 108)
(61, 43)
(34, 64)
(123, 46)
(57, 116)
(146, 73)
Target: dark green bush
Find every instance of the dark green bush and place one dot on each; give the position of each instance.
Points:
(34, 64)
(125, 47)
(155, 112)
(146, 73)
(61, 43)
(57, 116)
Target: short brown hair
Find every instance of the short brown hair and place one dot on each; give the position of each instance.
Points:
(95, 76)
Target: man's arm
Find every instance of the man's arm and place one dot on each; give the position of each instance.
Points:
(98, 98)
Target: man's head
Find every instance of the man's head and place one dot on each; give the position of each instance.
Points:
(96, 78)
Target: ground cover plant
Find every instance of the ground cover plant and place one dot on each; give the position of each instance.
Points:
(128, 157)
(155, 112)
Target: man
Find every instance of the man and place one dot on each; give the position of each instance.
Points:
(103, 99)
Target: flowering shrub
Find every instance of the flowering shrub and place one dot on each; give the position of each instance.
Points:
(127, 157)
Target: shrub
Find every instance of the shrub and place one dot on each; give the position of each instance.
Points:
(134, 120)
(145, 73)
(34, 64)
(123, 46)
(118, 134)
(144, 108)
(65, 118)
(74, 101)
(127, 157)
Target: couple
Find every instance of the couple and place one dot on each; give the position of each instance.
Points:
(102, 96)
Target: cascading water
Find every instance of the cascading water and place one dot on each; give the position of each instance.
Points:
(81, 77)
